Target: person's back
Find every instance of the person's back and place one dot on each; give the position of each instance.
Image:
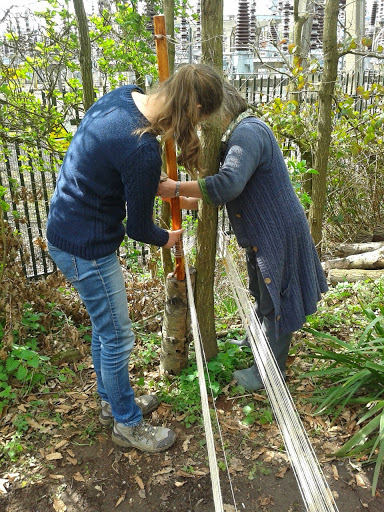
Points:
(100, 173)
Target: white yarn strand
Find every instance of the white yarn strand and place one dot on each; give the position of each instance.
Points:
(214, 470)
(314, 489)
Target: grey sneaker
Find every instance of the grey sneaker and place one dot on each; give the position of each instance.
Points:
(144, 437)
(147, 404)
(240, 343)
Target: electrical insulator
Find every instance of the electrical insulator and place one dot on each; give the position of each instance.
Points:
(242, 28)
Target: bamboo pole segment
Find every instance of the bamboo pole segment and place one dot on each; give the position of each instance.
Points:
(170, 150)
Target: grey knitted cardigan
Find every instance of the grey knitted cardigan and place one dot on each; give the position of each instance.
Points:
(267, 215)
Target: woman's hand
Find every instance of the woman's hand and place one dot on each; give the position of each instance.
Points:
(174, 236)
(167, 188)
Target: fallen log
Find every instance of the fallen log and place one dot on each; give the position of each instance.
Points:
(349, 249)
(366, 260)
(351, 276)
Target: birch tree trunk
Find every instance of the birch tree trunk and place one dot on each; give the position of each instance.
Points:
(337, 275)
(85, 54)
(212, 54)
(176, 334)
(324, 125)
(349, 249)
(365, 260)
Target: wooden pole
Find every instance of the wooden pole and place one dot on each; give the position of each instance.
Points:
(170, 150)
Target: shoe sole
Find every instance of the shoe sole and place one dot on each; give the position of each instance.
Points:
(109, 421)
(106, 421)
(127, 444)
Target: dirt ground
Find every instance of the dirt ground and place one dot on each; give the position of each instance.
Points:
(77, 468)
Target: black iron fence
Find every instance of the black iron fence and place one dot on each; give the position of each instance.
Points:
(30, 184)
(262, 88)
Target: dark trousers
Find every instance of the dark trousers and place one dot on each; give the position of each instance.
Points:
(265, 311)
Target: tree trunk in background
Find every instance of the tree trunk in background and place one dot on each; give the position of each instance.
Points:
(85, 54)
(301, 37)
(298, 20)
(169, 13)
(165, 216)
(324, 125)
(212, 54)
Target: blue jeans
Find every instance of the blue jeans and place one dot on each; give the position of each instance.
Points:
(265, 311)
(101, 286)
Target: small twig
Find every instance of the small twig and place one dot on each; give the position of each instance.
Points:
(238, 397)
(149, 317)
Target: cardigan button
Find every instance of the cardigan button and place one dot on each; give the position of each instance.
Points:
(238, 215)
(255, 248)
(267, 280)
(277, 318)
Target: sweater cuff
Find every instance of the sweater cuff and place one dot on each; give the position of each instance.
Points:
(203, 188)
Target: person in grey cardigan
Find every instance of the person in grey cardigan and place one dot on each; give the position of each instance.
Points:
(285, 275)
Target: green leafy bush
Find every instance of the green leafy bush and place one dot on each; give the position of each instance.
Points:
(355, 373)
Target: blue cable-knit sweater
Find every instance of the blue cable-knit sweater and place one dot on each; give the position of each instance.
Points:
(266, 214)
(108, 174)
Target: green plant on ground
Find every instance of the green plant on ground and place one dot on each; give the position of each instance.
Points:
(147, 351)
(184, 392)
(25, 366)
(258, 469)
(13, 448)
(341, 308)
(355, 373)
(253, 415)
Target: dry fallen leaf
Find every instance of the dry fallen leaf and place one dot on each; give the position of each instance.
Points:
(265, 500)
(164, 471)
(78, 477)
(62, 408)
(186, 443)
(180, 484)
(360, 481)
(185, 474)
(62, 443)
(121, 499)
(56, 477)
(3, 482)
(202, 472)
(33, 423)
(282, 472)
(335, 472)
(54, 456)
(139, 482)
(59, 505)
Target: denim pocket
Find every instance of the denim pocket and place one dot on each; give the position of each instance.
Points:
(65, 262)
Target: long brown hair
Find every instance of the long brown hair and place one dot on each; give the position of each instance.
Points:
(233, 103)
(194, 92)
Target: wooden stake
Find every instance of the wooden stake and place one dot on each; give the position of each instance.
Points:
(170, 150)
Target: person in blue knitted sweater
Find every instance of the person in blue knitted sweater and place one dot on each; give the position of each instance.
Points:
(109, 176)
(285, 275)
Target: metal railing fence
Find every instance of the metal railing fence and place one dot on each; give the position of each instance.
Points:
(36, 180)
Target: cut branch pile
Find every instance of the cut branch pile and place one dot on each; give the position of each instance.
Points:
(358, 262)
